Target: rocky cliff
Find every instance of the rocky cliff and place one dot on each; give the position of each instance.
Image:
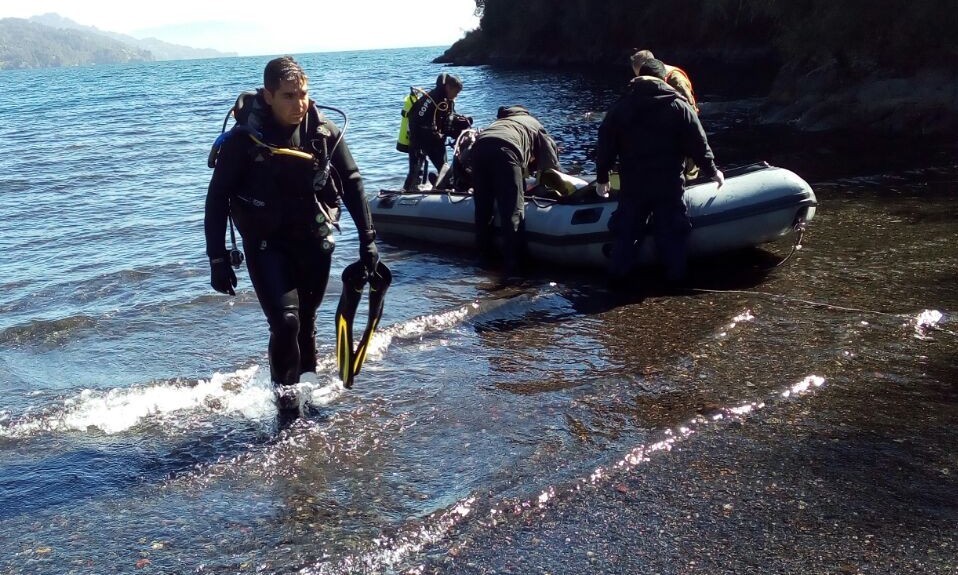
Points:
(877, 65)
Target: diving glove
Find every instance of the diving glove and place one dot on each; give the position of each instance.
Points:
(369, 253)
(222, 277)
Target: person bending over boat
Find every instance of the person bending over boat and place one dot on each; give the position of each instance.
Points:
(430, 120)
(650, 131)
(279, 174)
(510, 148)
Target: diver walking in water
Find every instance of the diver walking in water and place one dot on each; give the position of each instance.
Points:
(279, 174)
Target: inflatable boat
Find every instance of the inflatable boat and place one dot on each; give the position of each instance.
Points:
(758, 204)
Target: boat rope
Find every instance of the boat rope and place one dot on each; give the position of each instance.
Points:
(811, 303)
(451, 194)
(795, 300)
(799, 229)
(545, 202)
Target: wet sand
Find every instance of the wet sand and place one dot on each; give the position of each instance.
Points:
(858, 476)
(797, 488)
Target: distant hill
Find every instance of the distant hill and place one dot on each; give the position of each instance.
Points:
(161, 50)
(25, 44)
(53, 41)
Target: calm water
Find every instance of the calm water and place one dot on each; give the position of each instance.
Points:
(137, 432)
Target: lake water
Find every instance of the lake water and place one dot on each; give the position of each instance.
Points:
(137, 431)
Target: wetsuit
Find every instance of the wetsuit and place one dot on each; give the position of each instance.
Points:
(274, 202)
(650, 131)
(504, 152)
(430, 121)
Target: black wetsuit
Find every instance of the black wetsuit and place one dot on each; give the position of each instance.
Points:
(651, 130)
(504, 152)
(430, 121)
(274, 204)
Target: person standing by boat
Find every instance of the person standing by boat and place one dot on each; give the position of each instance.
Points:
(678, 79)
(430, 120)
(279, 174)
(510, 148)
(650, 131)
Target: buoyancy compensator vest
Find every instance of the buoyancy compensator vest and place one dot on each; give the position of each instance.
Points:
(402, 142)
(287, 191)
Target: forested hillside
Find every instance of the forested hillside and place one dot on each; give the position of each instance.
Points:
(159, 49)
(862, 53)
(25, 44)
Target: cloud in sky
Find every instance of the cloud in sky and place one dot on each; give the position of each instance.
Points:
(264, 27)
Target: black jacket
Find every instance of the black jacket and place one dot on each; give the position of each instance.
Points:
(650, 131)
(518, 128)
(274, 195)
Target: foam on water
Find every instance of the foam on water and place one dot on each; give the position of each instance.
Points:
(246, 393)
(927, 321)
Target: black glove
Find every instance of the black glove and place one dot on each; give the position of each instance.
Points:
(222, 277)
(369, 254)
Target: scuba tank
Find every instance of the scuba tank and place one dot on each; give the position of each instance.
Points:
(402, 141)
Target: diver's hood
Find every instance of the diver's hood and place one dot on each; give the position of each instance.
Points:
(250, 110)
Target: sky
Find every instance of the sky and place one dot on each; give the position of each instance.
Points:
(270, 27)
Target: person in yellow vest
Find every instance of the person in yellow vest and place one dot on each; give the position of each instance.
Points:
(680, 81)
(430, 121)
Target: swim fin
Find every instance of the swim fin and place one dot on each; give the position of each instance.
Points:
(355, 278)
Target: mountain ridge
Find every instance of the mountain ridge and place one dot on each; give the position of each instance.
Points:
(160, 49)
(51, 40)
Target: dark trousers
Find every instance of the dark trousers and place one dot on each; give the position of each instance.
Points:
(290, 278)
(656, 208)
(498, 182)
(434, 150)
